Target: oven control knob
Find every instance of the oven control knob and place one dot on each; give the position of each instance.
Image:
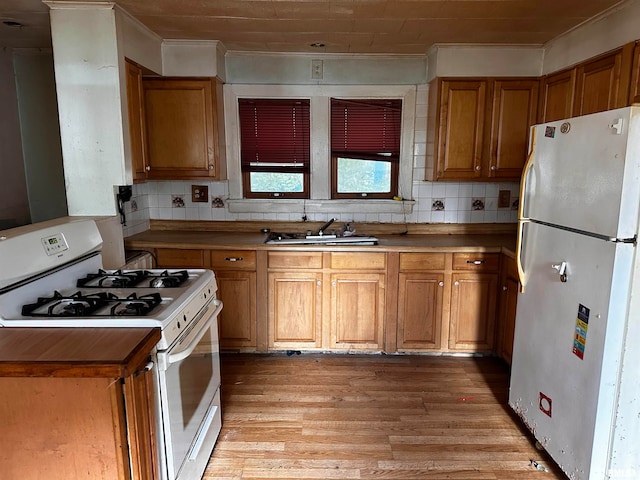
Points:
(178, 325)
(184, 317)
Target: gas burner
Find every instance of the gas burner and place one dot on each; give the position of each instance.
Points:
(135, 305)
(134, 278)
(58, 305)
(168, 279)
(116, 279)
(100, 304)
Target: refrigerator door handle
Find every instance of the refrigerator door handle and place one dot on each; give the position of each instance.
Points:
(525, 173)
(562, 270)
(521, 275)
(521, 218)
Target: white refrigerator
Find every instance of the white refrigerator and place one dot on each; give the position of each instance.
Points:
(575, 378)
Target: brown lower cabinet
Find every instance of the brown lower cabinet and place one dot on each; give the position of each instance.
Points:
(509, 287)
(315, 300)
(420, 301)
(81, 417)
(236, 278)
(473, 301)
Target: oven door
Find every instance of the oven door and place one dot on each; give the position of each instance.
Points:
(189, 395)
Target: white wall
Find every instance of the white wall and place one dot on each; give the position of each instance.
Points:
(14, 204)
(295, 69)
(484, 61)
(40, 134)
(620, 26)
(88, 80)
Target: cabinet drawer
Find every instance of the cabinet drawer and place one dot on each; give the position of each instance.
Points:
(295, 260)
(422, 261)
(476, 261)
(358, 261)
(177, 258)
(233, 260)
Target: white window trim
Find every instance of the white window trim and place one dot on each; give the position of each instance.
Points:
(319, 96)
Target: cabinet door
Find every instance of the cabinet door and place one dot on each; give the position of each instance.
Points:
(473, 311)
(295, 310)
(136, 121)
(420, 311)
(603, 83)
(514, 108)
(461, 119)
(181, 128)
(508, 302)
(141, 426)
(357, 310)
(556, 96)
(237, 290)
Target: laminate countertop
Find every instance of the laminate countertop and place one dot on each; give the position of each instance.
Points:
(74, 352)
(150, 239)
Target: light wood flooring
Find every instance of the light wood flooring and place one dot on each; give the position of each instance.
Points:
(329, 416)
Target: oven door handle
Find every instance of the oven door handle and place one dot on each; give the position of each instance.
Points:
(188, 350)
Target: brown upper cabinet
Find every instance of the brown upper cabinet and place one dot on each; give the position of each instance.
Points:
(136, 121)
(601, 83)
(481, 127)
(556, 96)
(634, 90)
(181, 128)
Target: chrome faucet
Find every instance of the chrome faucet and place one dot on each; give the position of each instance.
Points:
(325, 226)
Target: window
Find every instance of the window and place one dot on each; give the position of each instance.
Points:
(365, 148)
(275, 152)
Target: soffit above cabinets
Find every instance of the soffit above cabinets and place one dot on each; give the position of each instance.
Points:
(334, 26)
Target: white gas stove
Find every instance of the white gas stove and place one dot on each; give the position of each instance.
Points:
(52, 277)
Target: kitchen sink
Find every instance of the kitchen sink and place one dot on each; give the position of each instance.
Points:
(327, 239)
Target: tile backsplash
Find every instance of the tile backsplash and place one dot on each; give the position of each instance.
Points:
(435, 202)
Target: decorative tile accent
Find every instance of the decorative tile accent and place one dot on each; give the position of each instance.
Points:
(177, 201)
(437, 204)
(477, 203)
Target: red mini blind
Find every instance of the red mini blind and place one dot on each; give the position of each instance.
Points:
(274, 134)
(366, 127)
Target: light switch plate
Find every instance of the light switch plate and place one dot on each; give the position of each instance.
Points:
(199, 193)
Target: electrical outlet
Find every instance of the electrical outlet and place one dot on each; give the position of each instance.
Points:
(316, 69)
(504, 199)
(199, 193)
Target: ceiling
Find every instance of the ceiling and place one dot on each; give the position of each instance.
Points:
(337, 26)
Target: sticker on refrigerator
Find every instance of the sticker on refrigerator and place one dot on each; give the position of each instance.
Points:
(580, 335)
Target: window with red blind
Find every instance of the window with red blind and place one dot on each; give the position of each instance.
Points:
(275, 151)
(365, 148)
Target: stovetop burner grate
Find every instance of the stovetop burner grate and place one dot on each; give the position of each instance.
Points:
(99, 304)
(134, 278)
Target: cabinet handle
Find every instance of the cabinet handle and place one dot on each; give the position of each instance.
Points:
(505, 288)
(493, 167)
(441, 284)
(478, 167)
(210, 167)
(456, 283)
(148, 168)
(476, 262)
(234, 259)
(319, 282)
(333, 284)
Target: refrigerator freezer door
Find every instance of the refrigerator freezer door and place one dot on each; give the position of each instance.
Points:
(586, 173)
(567, 345)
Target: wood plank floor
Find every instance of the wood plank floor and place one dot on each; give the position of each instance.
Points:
(329, 416)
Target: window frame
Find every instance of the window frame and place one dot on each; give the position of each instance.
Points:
(320, 201)
(303, 168)
(349, 151)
